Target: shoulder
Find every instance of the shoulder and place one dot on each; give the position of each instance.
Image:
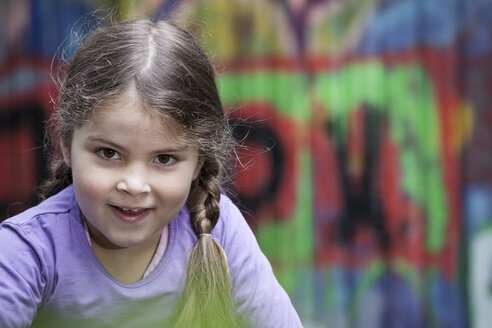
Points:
(235, 235)
(28, 255)
(232, 229)
(230, 218)
(37, 227)
(59, 204)
(257, 292)
(230, 215)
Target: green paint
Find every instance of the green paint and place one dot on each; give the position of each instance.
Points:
(413, 277)
(403, 93)
(287, 92)
(303, 216)
(484, 228)
(290, 243)
(406, 96)
(344, 89)
(372, 273)
(376, 270)
(336, 296)
(331, 290)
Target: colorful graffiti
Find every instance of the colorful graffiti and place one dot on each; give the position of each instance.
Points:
(366, 168)
(366, 111)
(31, 33)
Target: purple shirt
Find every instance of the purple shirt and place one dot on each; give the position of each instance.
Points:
(50, 277)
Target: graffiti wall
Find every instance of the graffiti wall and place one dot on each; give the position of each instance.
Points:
(31, 34)
(366, 163)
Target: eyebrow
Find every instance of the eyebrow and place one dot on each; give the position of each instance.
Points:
(117, 146)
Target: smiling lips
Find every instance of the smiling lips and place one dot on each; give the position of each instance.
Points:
(130, 215)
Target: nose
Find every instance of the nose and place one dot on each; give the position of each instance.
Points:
(133, 182)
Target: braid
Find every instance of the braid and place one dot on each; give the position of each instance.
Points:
(61, 177)
(204, 200)
(206, 300)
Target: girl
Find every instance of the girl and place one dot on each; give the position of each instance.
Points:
(134, 231)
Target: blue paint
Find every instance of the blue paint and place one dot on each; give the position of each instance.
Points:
(404, 24)
(401, 25)
(403, 308)
(447, 305)
(56, 22)
(477, 204)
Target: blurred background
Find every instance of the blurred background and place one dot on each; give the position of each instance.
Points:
(368, 171)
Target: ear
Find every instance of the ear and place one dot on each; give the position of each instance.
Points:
(66, 154)
(198, 169)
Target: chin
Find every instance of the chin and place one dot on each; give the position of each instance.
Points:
(127, 243)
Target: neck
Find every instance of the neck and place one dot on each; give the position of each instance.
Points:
(125, 264)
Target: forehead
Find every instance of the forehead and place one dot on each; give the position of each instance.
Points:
(126, 114)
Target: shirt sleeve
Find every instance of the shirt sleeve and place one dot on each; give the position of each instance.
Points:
(256, 291)
(22, 281)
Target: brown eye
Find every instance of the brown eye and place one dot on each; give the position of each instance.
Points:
(165, 159)
(108, 153)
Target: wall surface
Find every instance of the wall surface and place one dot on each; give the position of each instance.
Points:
(367, 167)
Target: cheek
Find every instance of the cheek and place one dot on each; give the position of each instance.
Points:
(87, 190)
(91, 179)
(175, 188)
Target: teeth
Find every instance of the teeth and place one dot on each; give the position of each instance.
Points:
(131, 210)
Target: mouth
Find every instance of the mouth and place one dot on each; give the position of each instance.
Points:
(130, 214)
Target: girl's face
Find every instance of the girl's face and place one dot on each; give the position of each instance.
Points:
(131, 173)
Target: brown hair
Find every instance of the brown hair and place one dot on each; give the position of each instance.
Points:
(170, 73)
